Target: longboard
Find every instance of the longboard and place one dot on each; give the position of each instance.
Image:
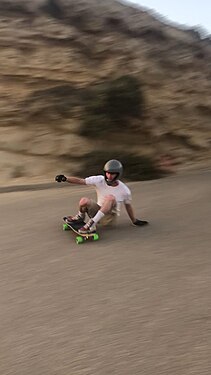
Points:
(80, 238)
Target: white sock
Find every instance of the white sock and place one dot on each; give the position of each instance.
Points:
(99, 215)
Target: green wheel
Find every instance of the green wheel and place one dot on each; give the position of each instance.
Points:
(79, 240)
(96, 237)
(66, 227)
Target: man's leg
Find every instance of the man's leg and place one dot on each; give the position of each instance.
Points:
(83, 207)
(108, 204)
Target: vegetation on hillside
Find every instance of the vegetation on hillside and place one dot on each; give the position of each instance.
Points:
(111, 105)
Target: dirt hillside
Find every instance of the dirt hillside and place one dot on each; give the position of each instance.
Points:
(88, 80)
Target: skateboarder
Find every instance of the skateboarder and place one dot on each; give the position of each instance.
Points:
(111, 192)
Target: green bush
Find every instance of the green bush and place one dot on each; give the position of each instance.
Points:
(52, 8)
(110, 106)
(123, 98)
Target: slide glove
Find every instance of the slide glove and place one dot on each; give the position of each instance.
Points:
(60, 178)
(140, 223)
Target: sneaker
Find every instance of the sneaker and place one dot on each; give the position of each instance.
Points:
(88, 228)
(78, 218)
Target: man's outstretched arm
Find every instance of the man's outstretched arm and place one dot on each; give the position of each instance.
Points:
(70, 179)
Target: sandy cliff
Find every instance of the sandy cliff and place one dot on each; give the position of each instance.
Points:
(57, 54)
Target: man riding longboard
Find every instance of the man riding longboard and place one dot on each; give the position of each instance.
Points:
(111, 194)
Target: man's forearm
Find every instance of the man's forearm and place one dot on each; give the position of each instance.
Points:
(76, 180)
(130, 212)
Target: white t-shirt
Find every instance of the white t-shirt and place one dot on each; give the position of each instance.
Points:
(121, 192)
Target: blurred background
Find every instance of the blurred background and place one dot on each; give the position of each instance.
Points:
(81, 82)
(86, 81)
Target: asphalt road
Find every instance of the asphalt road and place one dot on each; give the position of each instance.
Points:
(136, 302)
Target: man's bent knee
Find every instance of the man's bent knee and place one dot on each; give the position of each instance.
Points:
(84, 202)
(108, 204)
(111, 199)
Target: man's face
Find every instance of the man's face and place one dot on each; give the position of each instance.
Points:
(111, 176)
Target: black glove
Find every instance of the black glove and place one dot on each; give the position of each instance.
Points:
(60, 178)
(140, 223)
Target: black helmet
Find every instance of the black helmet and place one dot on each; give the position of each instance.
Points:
(113, 166)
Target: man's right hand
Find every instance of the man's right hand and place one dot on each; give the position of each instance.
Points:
(60, 178)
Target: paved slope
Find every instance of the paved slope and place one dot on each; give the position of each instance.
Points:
(136, 302)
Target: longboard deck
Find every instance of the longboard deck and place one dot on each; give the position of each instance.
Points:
(80, 238)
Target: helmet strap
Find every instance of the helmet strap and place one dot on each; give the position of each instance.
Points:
(111, 182)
